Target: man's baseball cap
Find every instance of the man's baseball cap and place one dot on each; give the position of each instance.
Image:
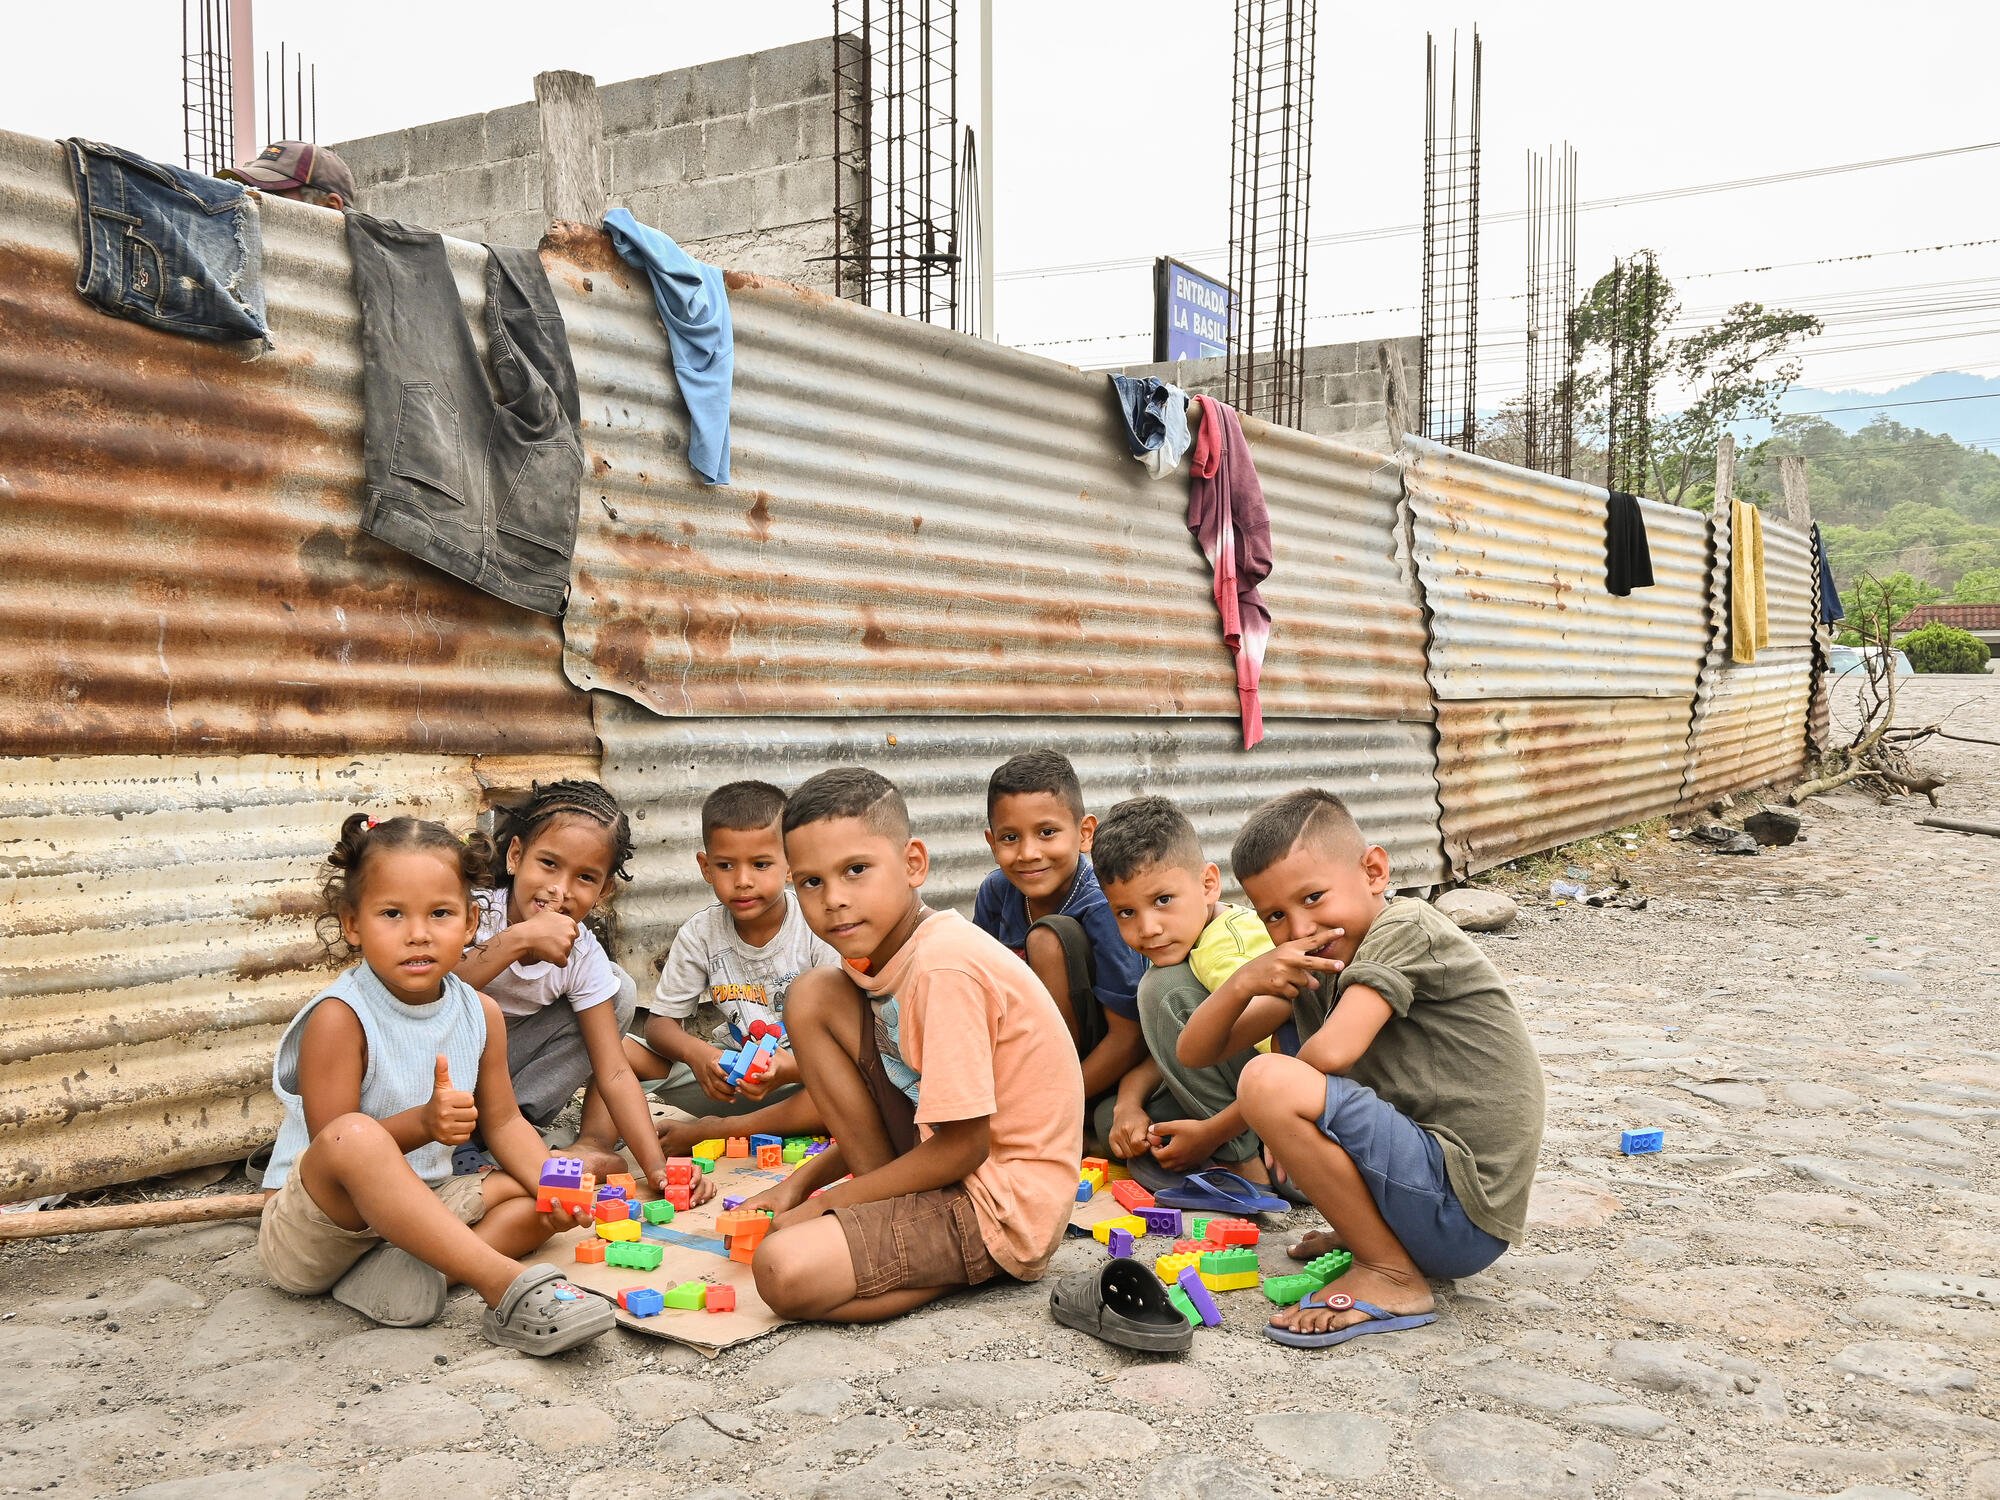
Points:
(285, 165)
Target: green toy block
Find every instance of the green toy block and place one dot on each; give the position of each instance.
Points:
(706, 1163)
(1183, 1306)
(1234, 1262)
(633, 1256)
(688, 1296)
(658, 1211)
(1288, 1290)
(1329, 1267)
(1197, 1228)
(795, 1152)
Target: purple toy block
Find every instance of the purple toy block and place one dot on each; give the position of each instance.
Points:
(735, 1202)
(611, 1190)
(816, 1147)
(1198, 1293)
(1166, 1221)
(563, 1172)
(1120, 1243)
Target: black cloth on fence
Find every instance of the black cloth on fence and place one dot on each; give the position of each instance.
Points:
(1830, 607)
(1628, 559)
(482, 486)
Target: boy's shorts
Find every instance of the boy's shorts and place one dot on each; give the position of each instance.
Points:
(1403, 1166)
(304, 1252)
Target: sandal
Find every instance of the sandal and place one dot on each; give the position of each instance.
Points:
(543, 1312)
(1122, 1303)
(1219, 1191)
(1376, 1320)
(392, 1287)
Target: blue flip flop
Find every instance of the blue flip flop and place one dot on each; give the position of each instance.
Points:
(1221, 1192)
(1380, 1320)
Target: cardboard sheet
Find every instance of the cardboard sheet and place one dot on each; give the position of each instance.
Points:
(693, 1252)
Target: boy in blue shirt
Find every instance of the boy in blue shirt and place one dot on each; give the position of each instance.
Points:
(1044, 903)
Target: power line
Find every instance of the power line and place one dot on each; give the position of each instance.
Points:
(1625, 200)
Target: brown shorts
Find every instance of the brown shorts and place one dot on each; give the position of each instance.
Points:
(305, 1252)
(919, 1240)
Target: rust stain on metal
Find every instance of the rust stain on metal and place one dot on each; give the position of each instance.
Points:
(759, 516)
(569, 246)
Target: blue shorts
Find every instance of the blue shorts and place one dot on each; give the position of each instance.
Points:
(1403, 1166)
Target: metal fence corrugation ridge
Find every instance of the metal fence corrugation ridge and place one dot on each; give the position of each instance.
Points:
(1752, 730)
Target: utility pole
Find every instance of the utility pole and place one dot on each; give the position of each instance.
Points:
(242, 86)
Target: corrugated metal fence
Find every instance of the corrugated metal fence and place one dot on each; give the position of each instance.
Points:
(935, 554)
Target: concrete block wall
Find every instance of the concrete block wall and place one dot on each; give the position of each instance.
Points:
(734, 159)
(1358, 394)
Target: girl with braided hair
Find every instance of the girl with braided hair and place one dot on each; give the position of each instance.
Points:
(548, 864)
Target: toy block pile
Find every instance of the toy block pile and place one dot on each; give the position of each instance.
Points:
(689, 1296)
(564, 1181)
(752, 1060)
(743, 1230)
(1090, 1181)
(1209, 1253)
(1286, 1291)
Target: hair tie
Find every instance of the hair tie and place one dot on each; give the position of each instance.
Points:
(369, 824)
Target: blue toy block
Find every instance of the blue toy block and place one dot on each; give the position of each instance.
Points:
(1642, 1142)
(1166, 1221)
(757, 1142)
(563, 1172)
(1198, 1293)
(644, 1302)
(1120, 1243)
(1085, 1190)
(634, 1209)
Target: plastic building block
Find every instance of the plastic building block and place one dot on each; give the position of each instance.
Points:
(759, 1142)
(1642, 1142)
(720, 1299)
(736, 1145)
(609, 1210)
(706, 1163)
(1288, 1290)
(1166, 1221)
(611, 1191)
(1120, 1243)
(1196, 1286)
(659, 1211)
(1197, 1226)
(733, 1200)
(1196, 1247)
(1329, 1267)
(794, 1152)
(706, 1150)
(1092, 1176)
(1096, 1164)
(1169, 1267)
(681, 1199)
(1232, 1231)
(1240, 1281)
(634, 1257)
(1182, 1306)
(578, 1199)
(641, 1301)
(816, 1147)
(562, 1172)
(590, 1252)
(1229, 1270)
(688, 1296)
(680, 1169)
(770, 1157)
(618, 1230)
(1131, 1195)
(626, 1181)
(1085, 1190)
(1103, 1227)
(635, 1210)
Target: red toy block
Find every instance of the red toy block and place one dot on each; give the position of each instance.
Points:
(609, 1210)
(1095, 1164)
(1131, 1195)
(681, 1195)
(680, 1170)
(720, 1299)
(770, 1157)
(590, 1251)
(1196, 1247)
(736, 1145)
(1232, 1231)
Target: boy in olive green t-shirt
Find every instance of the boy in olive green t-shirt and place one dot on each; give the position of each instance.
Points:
(1412, 1114)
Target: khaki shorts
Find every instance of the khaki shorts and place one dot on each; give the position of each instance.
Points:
(305, 1252)
(919, 1240)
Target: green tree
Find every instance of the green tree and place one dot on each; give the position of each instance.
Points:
(1977, 586)
(1875, 605)
(1944, 648)
(1732, 371)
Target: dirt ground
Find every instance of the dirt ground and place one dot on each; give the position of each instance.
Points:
(1797, 1298)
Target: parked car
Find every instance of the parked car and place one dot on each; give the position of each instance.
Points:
(1840, 660)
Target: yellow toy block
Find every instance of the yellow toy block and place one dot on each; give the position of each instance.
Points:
(1234, 1281)
(1169, 1267)
(618, 1229)
(707, 1150)
(1092, 1176)
(1130, 1223)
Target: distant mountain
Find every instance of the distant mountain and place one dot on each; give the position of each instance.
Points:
(1975, 423)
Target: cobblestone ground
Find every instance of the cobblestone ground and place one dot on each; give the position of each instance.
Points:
(1796, 1299)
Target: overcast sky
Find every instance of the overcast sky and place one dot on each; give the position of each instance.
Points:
(1112, 140)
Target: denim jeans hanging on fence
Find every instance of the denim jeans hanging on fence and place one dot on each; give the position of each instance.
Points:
(483, 487)
(173, 249)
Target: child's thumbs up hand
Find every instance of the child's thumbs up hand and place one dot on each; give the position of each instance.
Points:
(451, 1113)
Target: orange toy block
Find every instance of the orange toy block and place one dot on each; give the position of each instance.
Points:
(624, 1180)
(720, 1299)
(610, 1211)
(583, 1198)
(1196, 1247)
(1096, 1164)
(736, 1145)
(1131, 1196)
(770, 1156)
(590, 1252)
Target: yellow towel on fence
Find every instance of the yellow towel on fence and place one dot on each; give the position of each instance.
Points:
(1749, 618)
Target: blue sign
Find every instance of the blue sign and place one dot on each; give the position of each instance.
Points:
(1191, 312)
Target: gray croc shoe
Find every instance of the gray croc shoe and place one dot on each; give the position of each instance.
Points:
(1122, 1303)
(394, 1288)
(544, 1313)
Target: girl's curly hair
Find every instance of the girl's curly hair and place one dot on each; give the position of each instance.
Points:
(361, 839)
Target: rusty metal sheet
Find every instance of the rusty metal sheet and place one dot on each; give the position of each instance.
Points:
(1791, 584)
(185, 567)
(156, 935)
(1751, 731)
(923, 522)
(1512, 568)
(662, 768)
(1519, 776)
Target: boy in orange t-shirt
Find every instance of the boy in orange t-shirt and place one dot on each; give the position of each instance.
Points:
(940, 1065)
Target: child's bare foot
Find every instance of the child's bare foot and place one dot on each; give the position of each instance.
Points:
(1390, 1292)
(680, 1137)
(1312, 1246)
(599, 1159)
